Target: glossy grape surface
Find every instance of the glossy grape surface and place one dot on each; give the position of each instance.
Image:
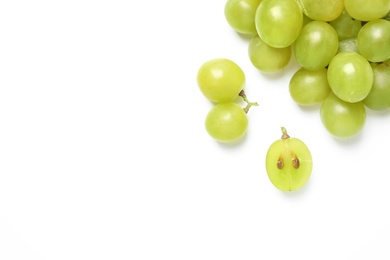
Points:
(220, 80)
(309, 87)
(321, 10)
(374, 40)
(316, 45)
(288, 163)
(226, 122)
(379, 96)
(240, 14)
(278, 22)
(367, 10)
(342, 119)
(267, 58)
(350, 76)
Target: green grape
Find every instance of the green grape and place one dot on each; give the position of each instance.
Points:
(342, 119)
(309, 87)
(345, 26)
(278, 22)
(226, 122)
(288, 163)
(220, 80)
(367, 10)
(240, 15)
(267, 58)
(306, 20)
(321, 10)
(350, 45)
(374, 40)
(316, 45)
(350, 76)
(379, 96)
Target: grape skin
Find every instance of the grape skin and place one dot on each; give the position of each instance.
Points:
(226, 122)
(240, 15)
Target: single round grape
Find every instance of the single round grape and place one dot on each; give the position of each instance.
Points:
(288, 163)
(346, 27)
(240, 15)
(267, 58)
(220, 80)
(348, 45)
(350, 76)
(316, 45)
(321, 10)
(309, 87)
(226, 122)
(342, 119)
(374, 40)
(367, 10)
(278, 22)
(379, 96)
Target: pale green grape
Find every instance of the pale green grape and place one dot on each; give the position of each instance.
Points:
(267, 58)
(379, 96)
(240, 15)
(226, 122)
(367, 10)
(321, 10)
(309, 87)
(288, 163)
(374, 40)
(342, 119)
(220, 80)
(350, 76)
(316, 45)
(278, 22)
(350, 45)
(346, 27)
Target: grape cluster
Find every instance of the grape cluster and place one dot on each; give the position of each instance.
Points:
(341, 46)
(221, 81)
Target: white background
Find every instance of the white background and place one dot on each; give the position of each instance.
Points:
(104, 155)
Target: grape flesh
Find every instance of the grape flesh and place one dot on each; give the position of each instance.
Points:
(278, 22)
(374, 40)
(316, 45)
(309, 87)
(226, 122)
(267, 58)
(350, 76)
(220, 80)
(288, 163)
(342, 119)
(240, 15)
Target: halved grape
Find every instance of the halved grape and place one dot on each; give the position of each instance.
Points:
(316, 45)
(342, 119)
(220, 80)
(321, 10)
(278, 22)
(374, 40)
(309, 87)
(367, 10)
(288, 163)
(267, 58)
(379, 96)
(240, 14)
(350, 76)
(226, 122)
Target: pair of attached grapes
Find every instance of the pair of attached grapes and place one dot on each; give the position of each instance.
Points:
(222, 81)
(288, 160)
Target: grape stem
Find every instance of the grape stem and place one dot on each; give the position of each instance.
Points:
(284, 131)
(248, 104)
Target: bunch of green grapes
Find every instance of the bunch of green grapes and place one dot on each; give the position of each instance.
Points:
(221, 81)
(341, 46)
